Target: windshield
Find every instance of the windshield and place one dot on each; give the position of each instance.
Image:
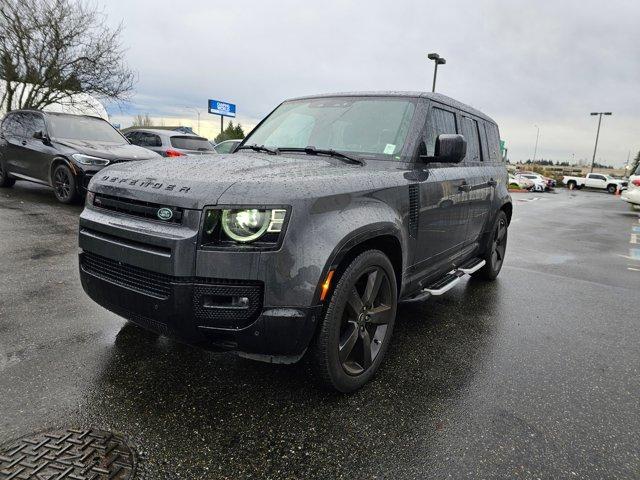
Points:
(76, 127)
(191, 143)
(374, 126)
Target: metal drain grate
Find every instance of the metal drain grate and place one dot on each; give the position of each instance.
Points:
(71, 454)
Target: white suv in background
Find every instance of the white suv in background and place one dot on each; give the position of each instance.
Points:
(632, 193)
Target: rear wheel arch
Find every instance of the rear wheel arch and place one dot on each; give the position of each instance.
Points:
(507, 208)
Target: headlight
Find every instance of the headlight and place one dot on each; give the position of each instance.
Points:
(260, 226)
(89, 160)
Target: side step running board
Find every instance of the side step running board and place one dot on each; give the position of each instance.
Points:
(472, 266)
(445, 284)
(450, 280)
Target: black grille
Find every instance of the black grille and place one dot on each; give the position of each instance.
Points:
(138, 279)
(213, 299)
(137, 208)
(414, 209)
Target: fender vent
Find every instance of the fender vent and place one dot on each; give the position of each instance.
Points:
(414, 209)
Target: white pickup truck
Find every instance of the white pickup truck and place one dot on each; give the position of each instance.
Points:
(595, 180)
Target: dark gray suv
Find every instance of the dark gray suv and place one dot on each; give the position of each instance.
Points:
(303, 241)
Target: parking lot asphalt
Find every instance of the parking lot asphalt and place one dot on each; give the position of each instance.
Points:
(533, 376)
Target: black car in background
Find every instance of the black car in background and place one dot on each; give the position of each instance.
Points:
(60, 150)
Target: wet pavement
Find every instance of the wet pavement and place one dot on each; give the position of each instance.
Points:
(533, 376)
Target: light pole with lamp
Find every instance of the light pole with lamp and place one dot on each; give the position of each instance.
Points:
(197, 113)
(438, 61)
(535, 150)
(593, 160)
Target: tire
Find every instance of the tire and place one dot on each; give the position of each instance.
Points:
(358, 323)
(612, 188)
(64, 184)
(571, 185)
(5, 180)
(495, 250)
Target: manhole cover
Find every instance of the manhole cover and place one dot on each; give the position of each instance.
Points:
(68, 454)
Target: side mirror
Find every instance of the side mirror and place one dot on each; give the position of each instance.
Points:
(450, 148)
(41, 135)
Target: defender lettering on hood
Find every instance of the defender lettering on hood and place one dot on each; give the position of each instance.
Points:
(146, 183)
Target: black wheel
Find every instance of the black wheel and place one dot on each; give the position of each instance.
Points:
(5, 180)
(571, 185)
(358, 323)
(612, 188)
(495, 250)
(64, 184)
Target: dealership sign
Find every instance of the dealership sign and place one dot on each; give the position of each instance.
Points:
(222, 108)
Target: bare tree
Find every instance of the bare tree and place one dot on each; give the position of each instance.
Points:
(53, 51)
(142, 121)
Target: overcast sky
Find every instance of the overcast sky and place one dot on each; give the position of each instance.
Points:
(524, 63)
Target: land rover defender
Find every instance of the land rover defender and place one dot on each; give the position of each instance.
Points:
(303, 241)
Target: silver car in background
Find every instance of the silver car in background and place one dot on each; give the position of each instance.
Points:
(169, 143)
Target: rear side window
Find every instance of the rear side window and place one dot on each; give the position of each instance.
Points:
(191, 143)
(471, 134)
(442, 121)
(493, 142)
(14, 125)
(637, 170)
(148, 140)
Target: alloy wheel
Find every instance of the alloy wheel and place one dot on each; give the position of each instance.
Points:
(62, 183)
(364, 321)
(499, 244)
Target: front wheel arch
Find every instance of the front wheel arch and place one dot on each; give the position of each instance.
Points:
(61, 160)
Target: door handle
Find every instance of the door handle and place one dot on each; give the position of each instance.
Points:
(24, 142)
(492, 183)
(464, 187)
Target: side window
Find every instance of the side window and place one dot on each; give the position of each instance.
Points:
(9, 125)
(15, 125)
(471, 133)
(441, 121)
(133, 137)
(150, 140)
(493, 142)
(33, 123)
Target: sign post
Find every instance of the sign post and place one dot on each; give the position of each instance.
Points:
(224, 109)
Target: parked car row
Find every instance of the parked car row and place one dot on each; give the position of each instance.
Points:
(532, 181)
(65, 151)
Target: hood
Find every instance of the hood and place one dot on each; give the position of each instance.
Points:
(194, 182)
(107, 150)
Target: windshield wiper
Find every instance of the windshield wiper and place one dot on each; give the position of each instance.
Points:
(310, 150)
(261, 148)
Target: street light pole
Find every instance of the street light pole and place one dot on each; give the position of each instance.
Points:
(438, 61)
(595, 148)
(535, 150)
(197, 113)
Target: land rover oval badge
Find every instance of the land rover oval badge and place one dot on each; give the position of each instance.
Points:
(165, 213)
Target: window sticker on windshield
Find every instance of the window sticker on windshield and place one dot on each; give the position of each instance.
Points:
(389, 149)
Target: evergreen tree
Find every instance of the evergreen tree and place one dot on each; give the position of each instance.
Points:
(231, 132)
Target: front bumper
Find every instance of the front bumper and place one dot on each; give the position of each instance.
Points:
(211, 313)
